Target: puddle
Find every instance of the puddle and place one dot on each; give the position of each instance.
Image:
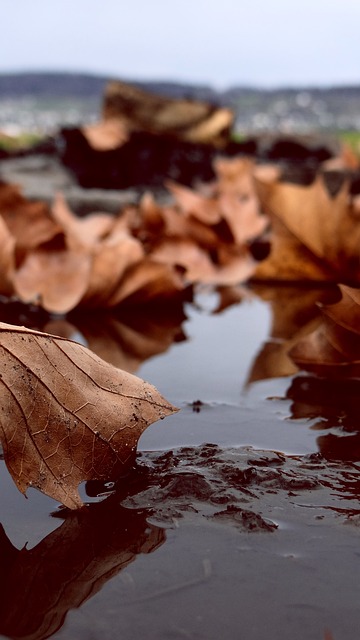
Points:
(241, 518)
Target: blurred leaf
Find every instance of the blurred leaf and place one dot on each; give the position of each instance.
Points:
(315, 236)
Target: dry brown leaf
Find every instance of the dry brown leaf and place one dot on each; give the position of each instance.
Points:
(333, 349)
(289, 260)
(238, 199)
(192, 203)
(54, 277)
(7, 259)
(110, 260)
(66, 415)
(232, 198)
(147, 281)
(189, 227)
(234, 175)
(315, 236)
(83, 231)
(29, 222)
(155, 226)
(234, 264)
(243, 216)
(187, 254)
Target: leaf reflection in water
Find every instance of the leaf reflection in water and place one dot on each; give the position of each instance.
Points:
(124, 342)
(40, 585)
(334, 404)
(124, 339)
(294, 314)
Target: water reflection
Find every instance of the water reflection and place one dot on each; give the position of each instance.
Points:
(39, 586)
(294, 314)
(122, 338)
(334, 404)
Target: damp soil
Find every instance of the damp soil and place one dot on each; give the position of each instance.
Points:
(241, 516)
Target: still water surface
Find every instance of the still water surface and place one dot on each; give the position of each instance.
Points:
(237, 523)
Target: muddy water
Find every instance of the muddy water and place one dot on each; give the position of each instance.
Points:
(241, 518)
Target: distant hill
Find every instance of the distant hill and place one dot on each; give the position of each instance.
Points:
(17, 85)
(43, 101)
(81, 85)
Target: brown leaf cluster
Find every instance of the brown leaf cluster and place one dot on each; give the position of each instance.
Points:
(206, 232)
(66, 415)
(52, 258)
(148, 252)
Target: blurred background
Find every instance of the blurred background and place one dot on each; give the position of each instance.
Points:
(290, 67)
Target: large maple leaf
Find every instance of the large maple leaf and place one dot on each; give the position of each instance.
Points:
(66, 415)
(315, 236)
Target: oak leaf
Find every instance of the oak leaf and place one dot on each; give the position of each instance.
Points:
(66, 415)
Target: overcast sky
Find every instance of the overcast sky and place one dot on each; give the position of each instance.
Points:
(216, 42)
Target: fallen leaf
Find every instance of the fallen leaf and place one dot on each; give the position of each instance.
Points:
(67, 416)
(7, 259)
(187, 254)
(84, 231)
(147, 281)
(289, 260)
(195, 204)
(30, 223)
(110, 261)
(53, 276)
(315, 236)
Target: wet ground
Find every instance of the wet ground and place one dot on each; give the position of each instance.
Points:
(241, 518)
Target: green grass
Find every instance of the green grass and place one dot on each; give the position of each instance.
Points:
(23, 141)
(352, 139)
